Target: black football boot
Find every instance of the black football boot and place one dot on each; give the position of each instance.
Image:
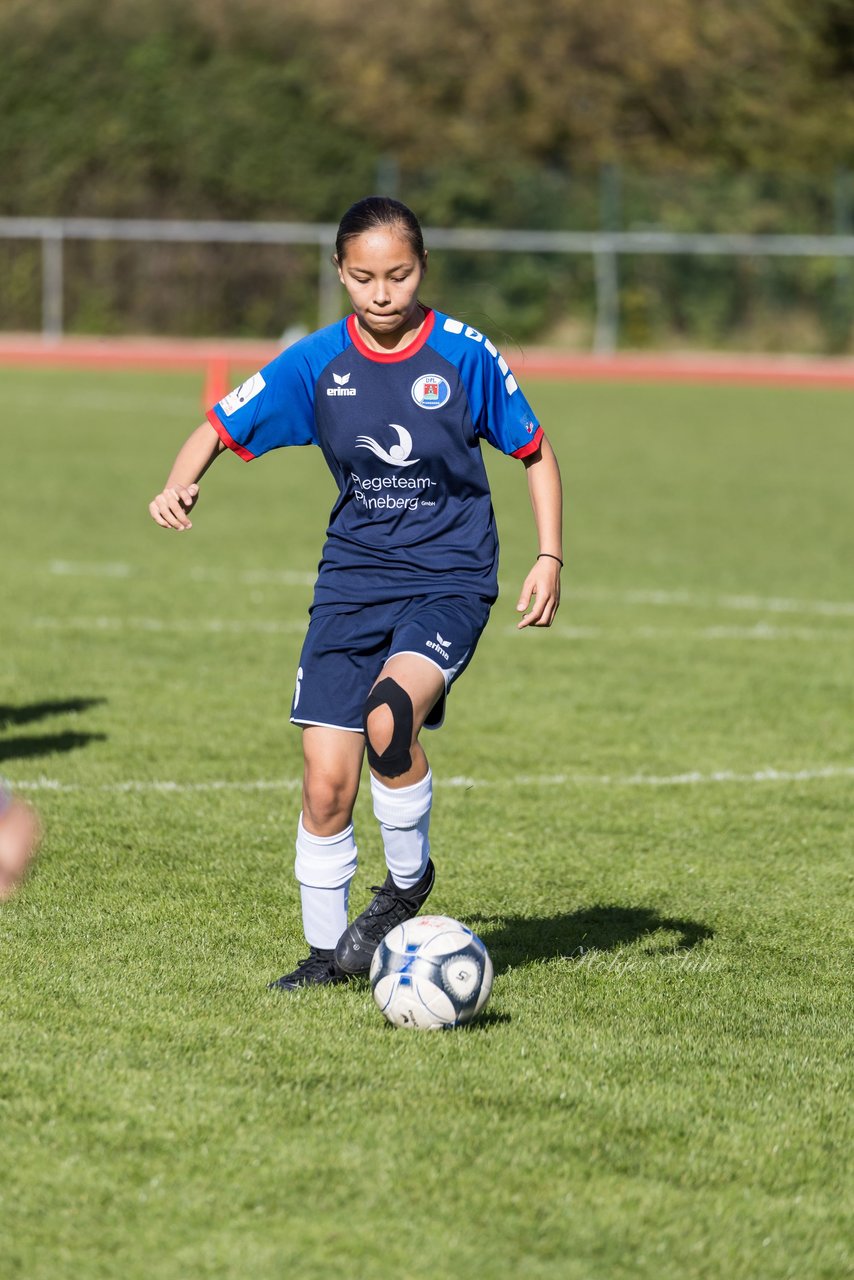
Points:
(389, 907)
(317, 969)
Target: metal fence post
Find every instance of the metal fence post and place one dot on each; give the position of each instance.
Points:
(843, 218)
(52, 272)
(606, 333)
(329, 308)
(388, 176)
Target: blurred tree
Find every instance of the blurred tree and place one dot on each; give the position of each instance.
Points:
(484, 112)
(570, 83)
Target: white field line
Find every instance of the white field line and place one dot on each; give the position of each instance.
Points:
(154, 785)
(268, 626)
(256, 577)
(294, 578)
(761, 631)
(199, 573)
(81, 569)
(699, 600)
(193, 626)
(693, 779)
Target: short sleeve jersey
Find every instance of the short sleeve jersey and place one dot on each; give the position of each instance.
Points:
(401, 434)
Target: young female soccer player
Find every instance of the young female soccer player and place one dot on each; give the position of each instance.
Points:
(398, 397)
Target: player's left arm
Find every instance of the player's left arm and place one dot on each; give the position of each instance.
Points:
(540, 593)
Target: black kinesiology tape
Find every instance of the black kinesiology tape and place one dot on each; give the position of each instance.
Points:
(396, 759)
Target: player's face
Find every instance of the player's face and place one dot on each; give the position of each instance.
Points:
(382, 274)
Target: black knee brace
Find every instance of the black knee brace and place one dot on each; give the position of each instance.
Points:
(396, 759)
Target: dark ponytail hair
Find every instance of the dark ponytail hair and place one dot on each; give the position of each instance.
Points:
(379, 211)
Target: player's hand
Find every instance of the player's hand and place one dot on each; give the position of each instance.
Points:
(170, 507)
(20, 832)
(540, 594)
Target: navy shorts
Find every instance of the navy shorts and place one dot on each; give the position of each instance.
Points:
(347, 646)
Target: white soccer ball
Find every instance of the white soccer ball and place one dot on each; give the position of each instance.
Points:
(431, 973)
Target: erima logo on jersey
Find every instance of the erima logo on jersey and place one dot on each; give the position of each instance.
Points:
(457, 326)
(431, 391)
(398, 454)
(241, 395)
(341, 388)
(441, 646)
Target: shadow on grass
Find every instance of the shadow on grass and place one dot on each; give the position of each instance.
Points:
(28, 713)
(48, 744)
(518, 940)
(489, 1018)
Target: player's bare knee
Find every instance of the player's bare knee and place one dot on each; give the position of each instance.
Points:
(379, 728)
(388, 719)
(327, 802)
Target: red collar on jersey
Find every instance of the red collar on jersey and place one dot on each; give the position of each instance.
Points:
(392, 357)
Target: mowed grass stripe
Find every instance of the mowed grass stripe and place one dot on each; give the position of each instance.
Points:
(637, 596)
(272, 626)
(815, 774)
(660, 1085)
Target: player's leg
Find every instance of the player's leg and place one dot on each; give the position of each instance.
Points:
(405, 692)
(325, 848)
(332, 767)
(432, 645)
(401, 781)
(402, 793)
(337, 666)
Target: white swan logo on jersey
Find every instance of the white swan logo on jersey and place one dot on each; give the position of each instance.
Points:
(431, 391)
(398, 454)
(457, 326)
(341, 388)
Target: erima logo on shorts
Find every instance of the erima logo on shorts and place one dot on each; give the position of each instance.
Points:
(431, 391)
(398, 454)
(457, 326)
(341, 388)
(241, 395)
(440, 645)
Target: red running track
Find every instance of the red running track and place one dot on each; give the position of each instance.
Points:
(217, 358)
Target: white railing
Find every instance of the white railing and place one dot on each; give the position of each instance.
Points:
(605, 247)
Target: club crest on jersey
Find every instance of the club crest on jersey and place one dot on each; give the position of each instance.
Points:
(398, 454)
(341, 388)
(431, 391)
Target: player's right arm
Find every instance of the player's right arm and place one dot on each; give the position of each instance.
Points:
(180, 493)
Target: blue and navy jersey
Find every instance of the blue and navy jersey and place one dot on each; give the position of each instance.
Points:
(401, 434)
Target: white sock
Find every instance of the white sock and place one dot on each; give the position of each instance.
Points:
(404, 818)
(324, 867)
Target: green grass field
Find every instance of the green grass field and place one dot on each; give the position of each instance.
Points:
(646, 813)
